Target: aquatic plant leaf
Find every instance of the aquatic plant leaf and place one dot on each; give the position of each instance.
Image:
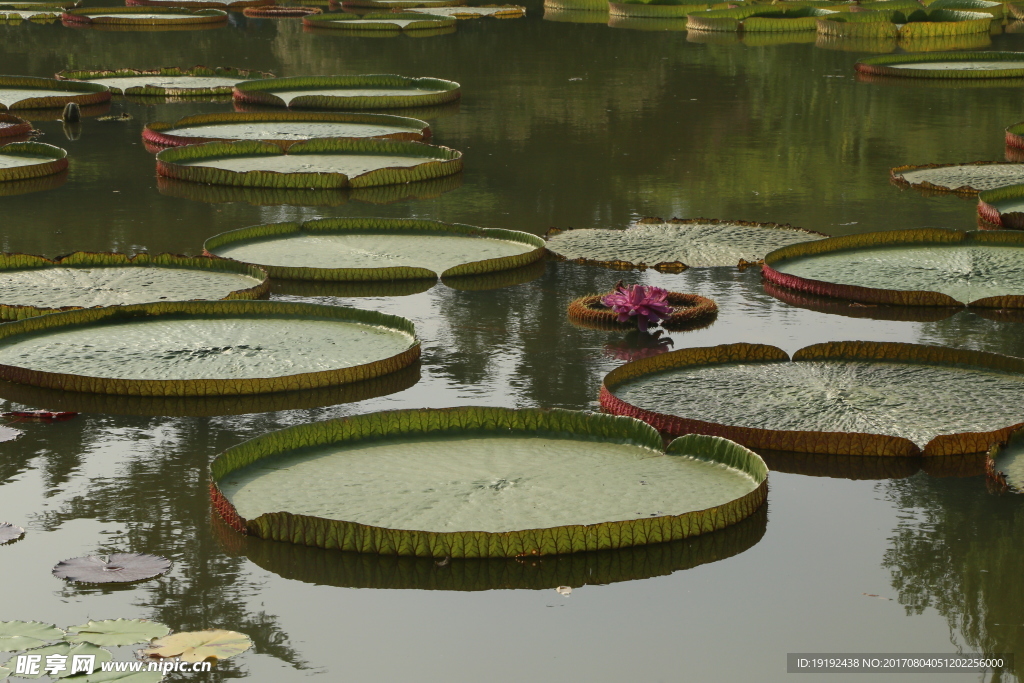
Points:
(280, 11)
(757, 18)
(114, 568)
(1004, 464)
(8, 434)
(675, 244)
(13, 126)
(966, 179)
(173, 81)
(121, 676)
(198, 646)
(144, 16)
(946, 65)
(4, 672)
(1002, 208)
(22, 635)
(574, 530)
(496, 11)
(8, 533)
(115, 632)
(925, 267)
(387, 21)
(66, 650)
(348, 92)
(25, 92)
(200, 4)
(20, 161)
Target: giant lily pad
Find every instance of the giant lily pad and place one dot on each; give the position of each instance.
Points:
(927, 267)
(996, 10)
(280, 11)
(22, 635)
(1015, 141)
(24, 92)
(908, 23)
(198, 646)
(116, 632)
(8, 532)
(676, 244)
(113, 568)
(946, 65)
(348, 92)
(144, 16)
(659, 10)
(758, 18)
(376, 249)
(199, 80)
(282, 128)
(1002, 209)
(378, 21)
(36, 14)
(13, 126)
(689, 311)
(34, 285)
(324, 163)
(839, 398)
(1005, 463)
(204, 348)
(402, 4)
(496, 11)
(27, 160)
(65, 653)
(483, 482)
(200, 4)
(965, 179)
(855, 309)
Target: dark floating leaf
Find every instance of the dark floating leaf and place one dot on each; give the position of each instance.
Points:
(10, 532)
(115, 568)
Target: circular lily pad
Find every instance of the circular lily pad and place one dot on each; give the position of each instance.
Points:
(21, 161)
(198, 646)
(758, 18)
(199, 80)
(282, 128)
(23, 92)
(688, 311)
(651, 10)
(321, 163)
(946, 65)
(144, 16)
(483, 482)
(496, 11)
(34, 285)
(116, 632)
(8, 532)
(280, 11)
(1002, 208)
(965, 179)
(347, 92)
(378, 21)
(676, 244)
(65, 654)
(839, 398)
(23, 635)
(114, 568)
(354, 249)
(201, 4)
(402, 4)
(205, 348)
(908, 23)
(927, 267)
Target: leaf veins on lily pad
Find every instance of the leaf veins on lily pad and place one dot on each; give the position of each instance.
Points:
(115, 568)
(66, 650)
(198, 646)
(10, 532)
(113, 632)
(21, 635)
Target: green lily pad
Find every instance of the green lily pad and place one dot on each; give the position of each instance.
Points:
(903, 23)
(35, 14)
(476, 478)
(115, 632)
(946, 65)
(201, 4)
(23, 635)
(20, 161)
(122, 677)
(844, 398)
(496, 11)
(198, 646)
(676, 244)
(348, 92)
(355, 249)
(66, 650)
(4, 672)
(378, 21)
(9, 532)
(758, 18)
(22, 92)
(966, 179)
(144, 16)
(199, 80)
(402, 4)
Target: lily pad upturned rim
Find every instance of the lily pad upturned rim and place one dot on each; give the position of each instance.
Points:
(438, 162)
(891, 297)
(90, 569)
(182, 16)
(271, 10)
(206, 386)
(86, 259)
(159, 91)
(80, 93)
(255, 92)
(669, 266)
(157, 133)
(200, 4)
(896, 177)
(745, 19)
(365, 22)
(688, 310)
(382, 225)
(15, 126)
(879, 66)
(1015, 135)
(900, 23)
(403, 4)
(57, 162)
(324, 533)
(995, 479)
(828, 443)
(512, 12)
(991, 217)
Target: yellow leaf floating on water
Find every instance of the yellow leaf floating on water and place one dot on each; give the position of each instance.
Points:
(198, 646)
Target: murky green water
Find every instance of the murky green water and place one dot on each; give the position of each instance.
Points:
(562, 124)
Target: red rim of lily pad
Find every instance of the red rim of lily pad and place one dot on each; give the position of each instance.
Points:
(280, 11)
(854, 309)
(896, 177)
(57, 162)
(689, 311)
(114, 568)
(992, 218)
(828, 443)
(13, 126)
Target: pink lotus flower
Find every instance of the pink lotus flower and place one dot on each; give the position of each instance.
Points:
(647, 304)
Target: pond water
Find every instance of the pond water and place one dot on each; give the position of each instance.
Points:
(569, 125)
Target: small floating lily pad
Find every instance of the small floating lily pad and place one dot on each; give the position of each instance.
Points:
(477, 477)
(676, 244)
(114, 568)
(839, 398)
(116, 632)
(8, 532)
(352, 249)
(144, 16)
(198, 646)
(387, 21)
(946, 65)
(966, 179)
(34, 285)
(497, 11)
(348, 92)
(927, 267)
(282, 128)
(200, 4)
(21, 161)
(65, 653)
(13, 126)
(23, 92)
(688, 311)
(320, 163)
(22, 635)
(199, 80)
